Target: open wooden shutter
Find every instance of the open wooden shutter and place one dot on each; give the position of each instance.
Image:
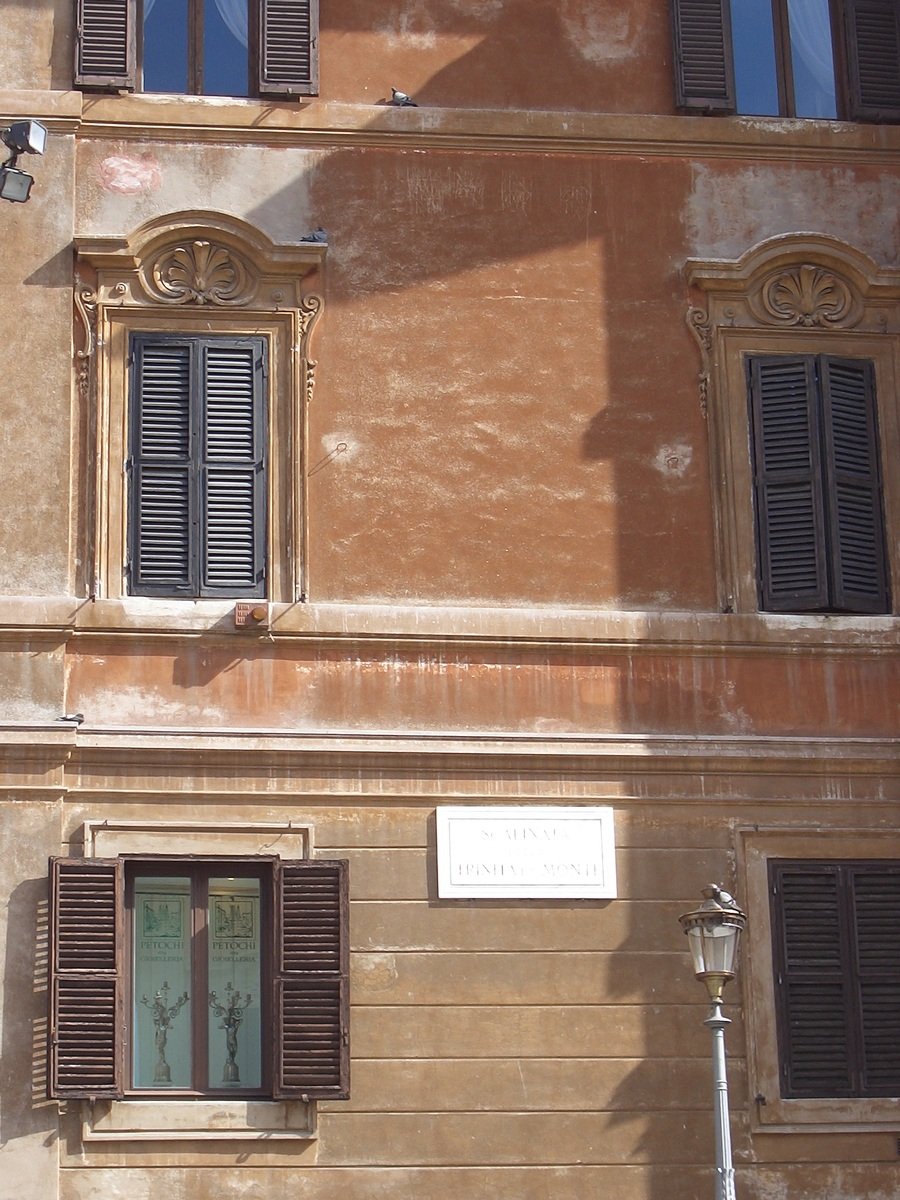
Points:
(704, 62)
(162, 525)
(312, 1053)
(86, 992)
(876, 909)
(853, 485)
(105, 44)
(288, 47)
(790, 518)
(813, 992)
(233, 477)
(873, 59)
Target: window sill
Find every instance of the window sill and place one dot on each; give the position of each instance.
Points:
(871, 1115)
(193, 1120)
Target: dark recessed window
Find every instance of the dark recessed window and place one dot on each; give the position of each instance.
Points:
(817, 484)
(836, 932)
(197, 466)
(196, 46)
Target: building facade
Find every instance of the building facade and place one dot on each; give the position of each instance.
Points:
(530, 446)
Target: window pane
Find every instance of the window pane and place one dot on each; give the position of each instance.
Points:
(162, 982)
(165, 46)
(225, 54)
(235, 1048)
(812, 58)
(753, 37)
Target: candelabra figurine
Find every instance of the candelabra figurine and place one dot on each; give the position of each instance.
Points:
(163, 1015)
(230, 1015)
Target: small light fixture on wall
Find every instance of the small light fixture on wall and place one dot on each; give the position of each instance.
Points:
(22, 137)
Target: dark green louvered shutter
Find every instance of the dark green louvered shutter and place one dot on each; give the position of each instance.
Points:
(288, 47)
(852, 485)
(836, 929)
(873, 59)
(311, 1000)
(704, 63)
(197, 498)
(790, 518)
(86, 994)
(105, 44)
(232, 471)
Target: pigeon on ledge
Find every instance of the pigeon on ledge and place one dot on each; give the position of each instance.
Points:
(402, 100)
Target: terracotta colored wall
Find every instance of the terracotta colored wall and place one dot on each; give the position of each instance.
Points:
(510, 594)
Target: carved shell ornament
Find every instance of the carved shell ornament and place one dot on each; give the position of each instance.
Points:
(200, 272)
(806, 295)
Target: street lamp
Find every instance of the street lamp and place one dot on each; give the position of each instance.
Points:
(714, 934)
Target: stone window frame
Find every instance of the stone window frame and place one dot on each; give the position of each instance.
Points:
(792, 294)
(769, 1110)
(194, 272)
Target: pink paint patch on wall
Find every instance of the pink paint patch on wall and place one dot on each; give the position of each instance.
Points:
(129, 176)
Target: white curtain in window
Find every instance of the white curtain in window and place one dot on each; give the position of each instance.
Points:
(811, 38)
(234, 14)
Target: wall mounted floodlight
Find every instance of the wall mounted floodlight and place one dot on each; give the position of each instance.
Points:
(22, 137)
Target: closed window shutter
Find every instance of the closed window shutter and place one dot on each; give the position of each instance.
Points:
(86, 993)
(288, 47)
(233, 482)
(704, 63)
(812, 988)
(105, 44)
(311, 981)
(876, 899)
(853, 485)
(873, 54)
(163, 532)
(197, 498)
(787, 471)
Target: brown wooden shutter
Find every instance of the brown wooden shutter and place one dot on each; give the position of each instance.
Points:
(704, 62)
(836, 929)
(873, 59)
(288, 47)
(852, 485)
(312, 1052)
(105, 44)
(811, 983)
(790, 518)
(86, 987)
(876, 910)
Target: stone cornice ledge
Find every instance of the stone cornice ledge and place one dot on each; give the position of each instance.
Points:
(60, 619)
(478, 749)
(330, 124)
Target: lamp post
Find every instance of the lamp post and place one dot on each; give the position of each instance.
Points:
(714, 934)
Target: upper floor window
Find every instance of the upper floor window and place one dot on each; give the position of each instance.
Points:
(197, 466)
(198, 47)
(817, 484)
(793, 58)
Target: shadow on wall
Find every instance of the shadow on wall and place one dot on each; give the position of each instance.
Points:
(23, 1064)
